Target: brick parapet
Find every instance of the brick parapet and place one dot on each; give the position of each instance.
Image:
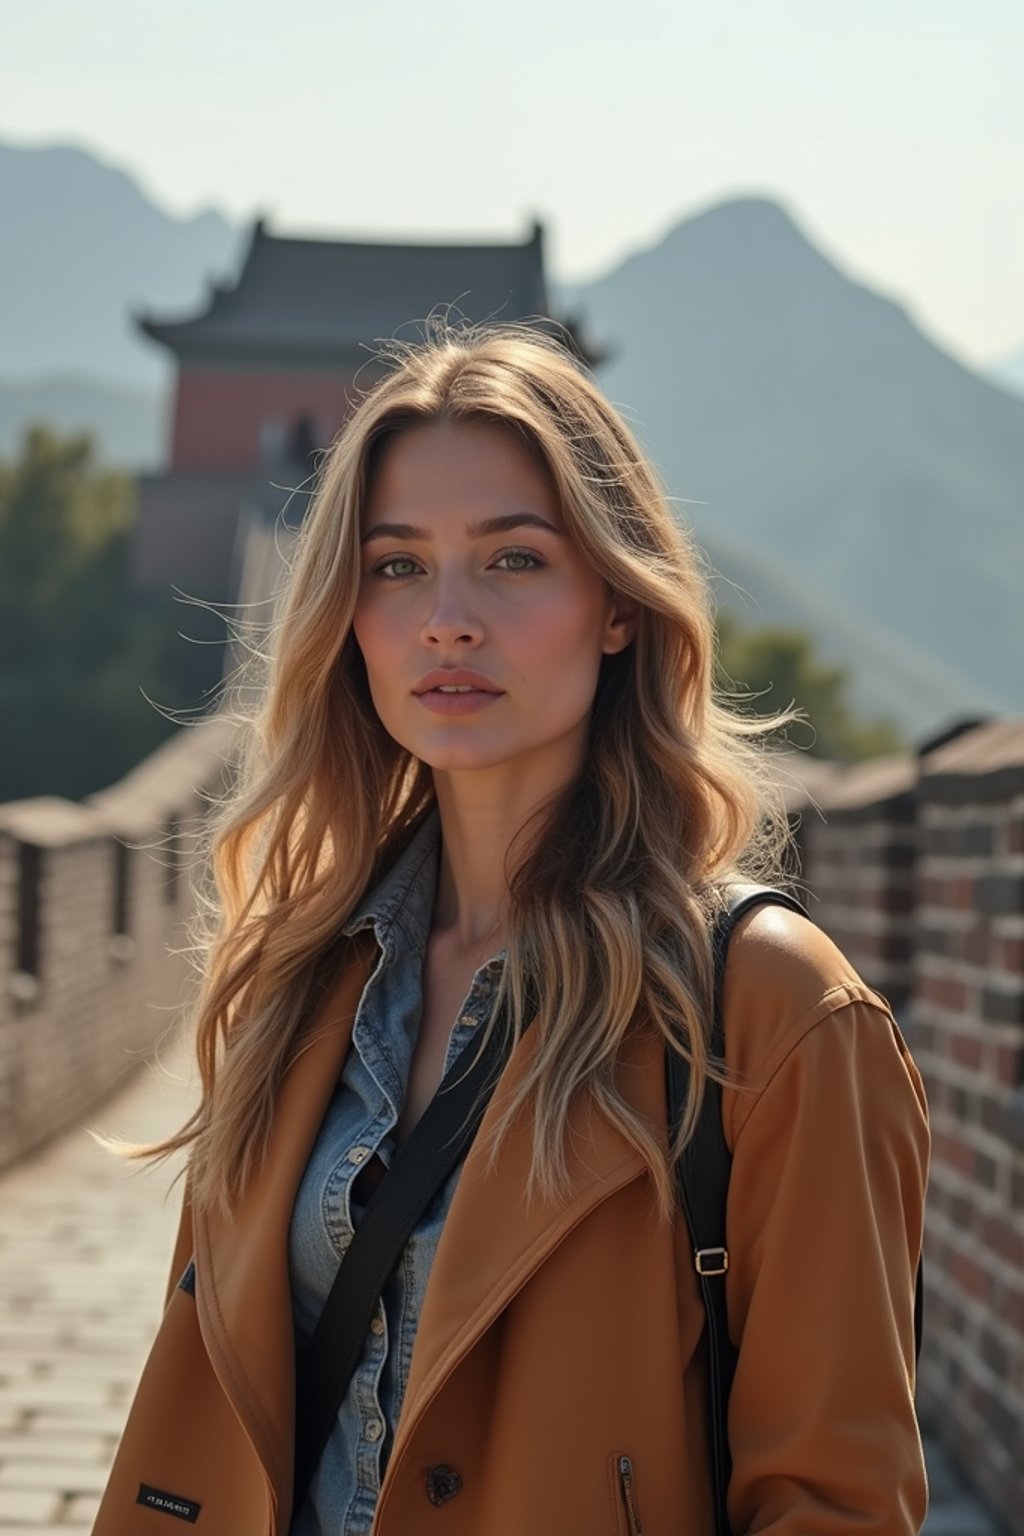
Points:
(107, 928)
(968, 1033)
(916, 868)
(859, 856)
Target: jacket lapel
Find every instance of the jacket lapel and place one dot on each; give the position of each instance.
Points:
(492, 1242)
(243, 1291)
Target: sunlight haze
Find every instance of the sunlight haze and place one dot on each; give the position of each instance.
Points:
(892, 134)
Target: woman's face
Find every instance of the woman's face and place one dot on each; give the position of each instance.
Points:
(481, 623)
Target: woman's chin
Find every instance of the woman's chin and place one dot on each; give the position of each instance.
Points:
(464, 761)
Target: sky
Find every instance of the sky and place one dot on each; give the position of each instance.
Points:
(891, 130)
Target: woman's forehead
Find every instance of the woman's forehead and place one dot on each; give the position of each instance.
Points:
(482, 467)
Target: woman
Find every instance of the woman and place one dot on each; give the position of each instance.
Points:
(490, 766)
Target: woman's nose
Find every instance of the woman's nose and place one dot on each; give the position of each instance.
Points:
(452, 618)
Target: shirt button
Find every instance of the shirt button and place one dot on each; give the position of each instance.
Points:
(374, 1429)
(358, 1154)
(377, 1326)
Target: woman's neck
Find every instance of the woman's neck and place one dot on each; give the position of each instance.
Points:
(479, 822)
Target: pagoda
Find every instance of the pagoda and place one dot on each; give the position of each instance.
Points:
(270, 369)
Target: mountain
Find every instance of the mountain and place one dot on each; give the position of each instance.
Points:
(860, 483)
(83, 245)
(805, 416)
(128, 422)
(887, 674)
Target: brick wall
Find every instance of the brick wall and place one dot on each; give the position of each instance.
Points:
(969, 1038)
(93, 900)
(917, 871)
(859, 866)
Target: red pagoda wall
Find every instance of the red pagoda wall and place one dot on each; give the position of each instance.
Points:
(221, 415)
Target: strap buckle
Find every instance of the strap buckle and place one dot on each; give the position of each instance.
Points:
(711, 1261)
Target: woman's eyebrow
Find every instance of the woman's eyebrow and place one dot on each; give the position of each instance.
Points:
(491, 525)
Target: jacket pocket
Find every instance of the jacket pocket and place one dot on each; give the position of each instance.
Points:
(627, 1509)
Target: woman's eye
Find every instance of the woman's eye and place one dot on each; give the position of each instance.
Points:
(396, 567)
(518, 560)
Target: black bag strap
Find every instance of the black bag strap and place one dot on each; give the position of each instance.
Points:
(420, 1167)
(703, 1180)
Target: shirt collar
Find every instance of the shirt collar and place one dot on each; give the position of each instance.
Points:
(405, 893)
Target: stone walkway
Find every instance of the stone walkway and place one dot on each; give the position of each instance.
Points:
(85, 1241)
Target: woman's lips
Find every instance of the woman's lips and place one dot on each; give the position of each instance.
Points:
(462, 703)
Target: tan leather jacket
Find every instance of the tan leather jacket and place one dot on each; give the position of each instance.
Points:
(554, 1341)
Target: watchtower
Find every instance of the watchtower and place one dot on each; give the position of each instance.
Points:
(267, 373)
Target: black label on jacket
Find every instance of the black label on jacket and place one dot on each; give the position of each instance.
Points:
(168, 1503)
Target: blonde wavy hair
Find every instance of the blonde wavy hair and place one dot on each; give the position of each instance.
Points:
(614, 884)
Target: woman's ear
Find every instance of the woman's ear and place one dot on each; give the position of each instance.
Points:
(621, 625)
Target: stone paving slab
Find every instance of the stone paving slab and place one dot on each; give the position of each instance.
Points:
(85, 1241)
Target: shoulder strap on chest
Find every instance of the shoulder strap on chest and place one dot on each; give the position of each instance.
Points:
(437, 1142)
(703, 1182)
(704, 1199)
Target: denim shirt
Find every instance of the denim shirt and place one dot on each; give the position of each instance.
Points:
(359, 1122)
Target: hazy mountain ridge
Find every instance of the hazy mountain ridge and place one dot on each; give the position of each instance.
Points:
(860, 482)
(887, 674)
(803, 414)
(83, 246)
(127, 422)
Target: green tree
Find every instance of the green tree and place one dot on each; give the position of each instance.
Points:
(79, 650)
(779, 668)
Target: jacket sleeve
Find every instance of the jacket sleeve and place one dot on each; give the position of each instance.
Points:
(824, 1221)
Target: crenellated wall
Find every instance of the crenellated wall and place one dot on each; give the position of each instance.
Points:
(93, 900)
(918, 871)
